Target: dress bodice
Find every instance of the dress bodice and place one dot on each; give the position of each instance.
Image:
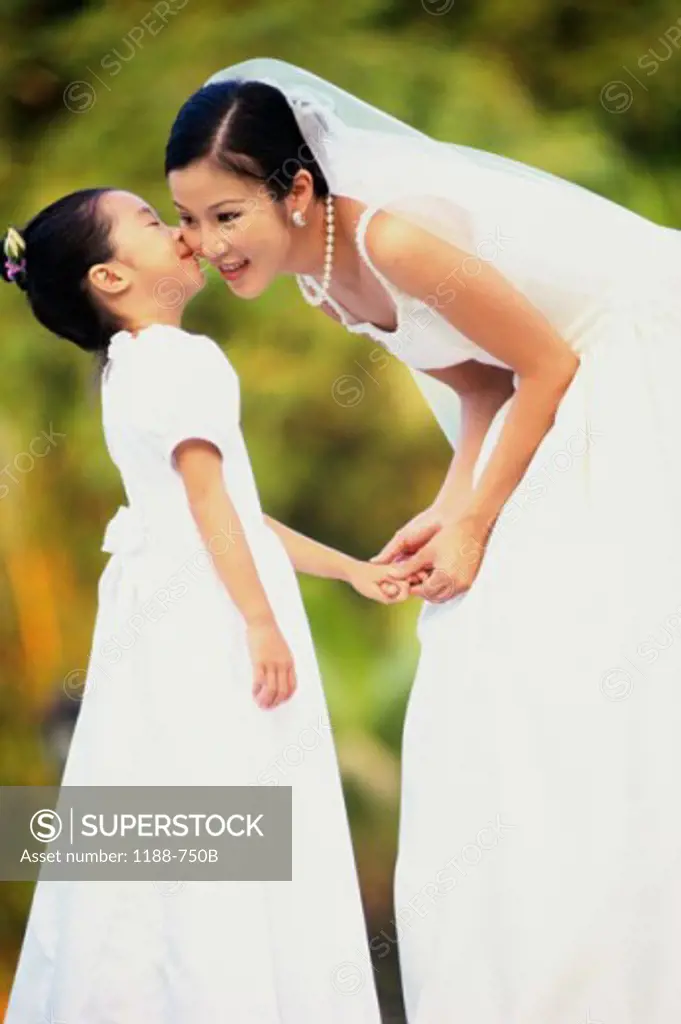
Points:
(161, 387)
(423, 339)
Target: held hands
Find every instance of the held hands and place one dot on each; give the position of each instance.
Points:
(438, 556)
(274, 673)
(411, 537)
(376, 582)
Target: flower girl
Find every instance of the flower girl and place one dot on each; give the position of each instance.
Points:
(201, 629)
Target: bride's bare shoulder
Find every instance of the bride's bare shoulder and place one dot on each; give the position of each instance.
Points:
(407, 253)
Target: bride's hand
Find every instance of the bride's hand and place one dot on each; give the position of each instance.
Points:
(377, 583)
(452, 558)
(412, 536)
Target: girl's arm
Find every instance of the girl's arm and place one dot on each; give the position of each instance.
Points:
(200, 466)
(311, 557)
(315, 559)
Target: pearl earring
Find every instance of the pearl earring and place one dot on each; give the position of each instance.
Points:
(298, 219)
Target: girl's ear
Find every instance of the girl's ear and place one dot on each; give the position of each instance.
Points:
(108, 278)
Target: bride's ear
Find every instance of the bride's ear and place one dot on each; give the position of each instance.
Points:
(301, 194)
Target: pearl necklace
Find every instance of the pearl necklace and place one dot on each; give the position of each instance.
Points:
(320, 294)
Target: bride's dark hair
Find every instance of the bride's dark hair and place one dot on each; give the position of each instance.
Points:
(247, 128)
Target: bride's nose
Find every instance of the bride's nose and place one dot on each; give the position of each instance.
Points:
(213, 245)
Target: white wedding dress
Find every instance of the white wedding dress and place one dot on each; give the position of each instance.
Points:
(539, 870)
(539, 867)
(168, 703)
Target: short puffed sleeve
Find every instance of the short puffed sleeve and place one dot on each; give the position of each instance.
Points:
(181, 386)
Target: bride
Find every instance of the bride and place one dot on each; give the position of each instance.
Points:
(539, 870)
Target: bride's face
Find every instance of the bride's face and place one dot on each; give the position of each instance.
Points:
(234, 223)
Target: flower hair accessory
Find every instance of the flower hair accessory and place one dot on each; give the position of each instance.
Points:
(14, 249)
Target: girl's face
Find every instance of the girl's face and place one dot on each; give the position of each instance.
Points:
(151, 256)
(235, 224)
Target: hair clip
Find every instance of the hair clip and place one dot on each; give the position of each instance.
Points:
(14, 248)
(13, 268)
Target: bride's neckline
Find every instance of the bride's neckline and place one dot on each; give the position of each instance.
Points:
(309, 284)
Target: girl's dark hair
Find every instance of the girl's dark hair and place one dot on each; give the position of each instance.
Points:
(247, 128)
(61, 243)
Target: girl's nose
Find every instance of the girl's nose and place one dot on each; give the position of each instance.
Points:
(183, 248)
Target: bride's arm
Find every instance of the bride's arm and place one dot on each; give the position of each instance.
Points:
(483, 390)
(490, 311)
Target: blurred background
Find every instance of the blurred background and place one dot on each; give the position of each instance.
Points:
(88, 91)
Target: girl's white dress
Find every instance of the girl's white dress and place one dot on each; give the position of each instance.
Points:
(539, 870)
(168, 702)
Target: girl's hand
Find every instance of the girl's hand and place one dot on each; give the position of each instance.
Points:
(274, 673)
(377, 583)
(452, 559)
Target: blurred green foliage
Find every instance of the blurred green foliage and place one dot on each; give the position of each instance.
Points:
(88, 92)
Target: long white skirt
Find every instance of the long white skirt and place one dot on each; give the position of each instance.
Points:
(175, 708)
(539, 870)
